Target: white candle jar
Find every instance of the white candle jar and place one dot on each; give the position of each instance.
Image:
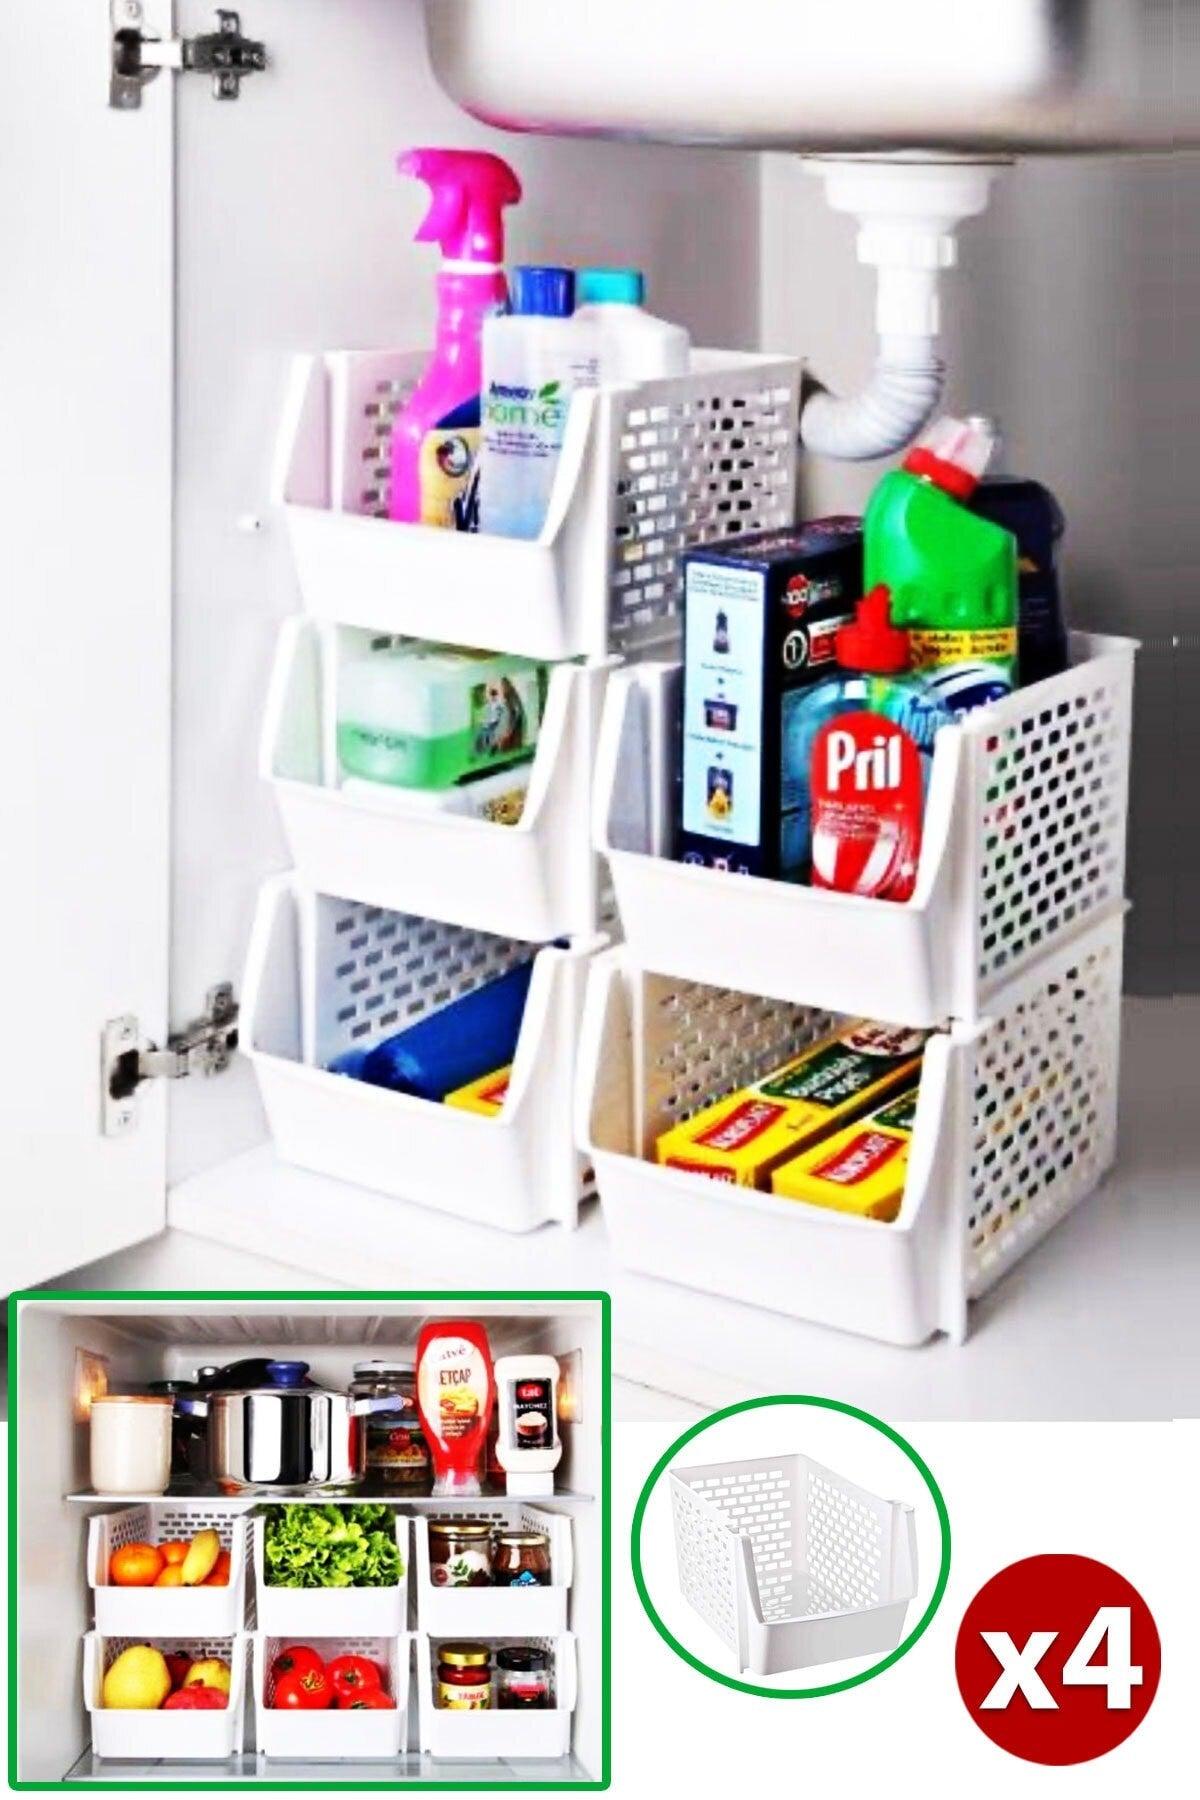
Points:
(131, 1443)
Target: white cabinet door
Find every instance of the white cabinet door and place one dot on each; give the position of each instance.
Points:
(85, 529)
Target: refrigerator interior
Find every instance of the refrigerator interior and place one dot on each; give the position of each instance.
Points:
(145, 1340)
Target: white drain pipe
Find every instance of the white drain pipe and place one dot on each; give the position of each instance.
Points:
(907, 212)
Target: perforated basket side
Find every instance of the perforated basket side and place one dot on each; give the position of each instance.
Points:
(701, 457)
(704, 1556)
(700, 1043)
(376, 972)
(757, 1500)
(846, 1545)
(1048, 841)
(1043, 1126)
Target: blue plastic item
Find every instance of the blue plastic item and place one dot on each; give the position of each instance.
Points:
(543, 290)
(1034, 517)
(465, 1040)
(610, 287)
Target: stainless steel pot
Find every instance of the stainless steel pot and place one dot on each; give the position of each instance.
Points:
(284, 1438)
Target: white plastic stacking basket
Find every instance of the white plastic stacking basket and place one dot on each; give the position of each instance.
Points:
(644, 472)
(174, 1611)
(331, 1734)
(1015, 1125)
(324, 976)
(471, 1612)
(790, 1564)
(154, 1735)
(1023, 846)
(535, 880)
(514, 1734)
(300, 1613)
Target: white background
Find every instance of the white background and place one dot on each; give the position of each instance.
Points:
(847, 1446)
(1125, 1494)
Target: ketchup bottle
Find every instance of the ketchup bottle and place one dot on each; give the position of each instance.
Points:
(456, 1392)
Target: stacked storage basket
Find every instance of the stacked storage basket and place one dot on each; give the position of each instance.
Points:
(495, 1616)
(1009, 952)
(394, 911)
(198, 1622)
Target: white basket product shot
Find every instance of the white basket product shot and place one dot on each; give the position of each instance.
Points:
(330, 1733)
(167, 1611)
(301, 1613)
(468, 1610)
(152, 1734)
(791, 1564)
(326, 976)
(496, 1731)
(434, 853)
(645, 472)
(1023, 846)
(1015, 1125)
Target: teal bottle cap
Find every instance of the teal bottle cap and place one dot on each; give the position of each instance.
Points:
(610, 287)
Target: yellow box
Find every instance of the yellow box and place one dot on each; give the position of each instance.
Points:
(742, 1138)
(860, 1169)
(487, 1095)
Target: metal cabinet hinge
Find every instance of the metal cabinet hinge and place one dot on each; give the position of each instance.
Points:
(204, 1048)
(136, 59)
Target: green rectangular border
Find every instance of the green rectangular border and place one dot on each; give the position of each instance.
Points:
(252, 1784)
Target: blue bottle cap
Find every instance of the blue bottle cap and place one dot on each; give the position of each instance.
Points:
(610, 287)
(543, 289)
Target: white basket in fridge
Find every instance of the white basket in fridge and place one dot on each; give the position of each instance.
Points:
(152, 1735)
(1015, 1125)
(169, 1611)
(644, 472)
(470, 1612)
(536, 879)
(1023, 846)
(515, 1734)
(333, 1733)
(324, 976)
(791, 1564)
(299, 1613)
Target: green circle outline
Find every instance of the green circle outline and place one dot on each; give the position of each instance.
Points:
(833, 1687)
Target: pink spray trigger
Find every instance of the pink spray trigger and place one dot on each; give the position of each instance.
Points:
(469, 190)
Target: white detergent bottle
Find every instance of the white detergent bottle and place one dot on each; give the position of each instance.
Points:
(533, 360)
(630, 343)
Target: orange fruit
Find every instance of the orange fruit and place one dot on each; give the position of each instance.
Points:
(172, 1553)
(220, 1572)
(172, 1576)
(135, 1565)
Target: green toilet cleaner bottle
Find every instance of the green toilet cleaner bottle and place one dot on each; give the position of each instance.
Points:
(952, 576)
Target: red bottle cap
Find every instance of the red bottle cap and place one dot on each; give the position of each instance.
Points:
(873, 645)
(945, 475)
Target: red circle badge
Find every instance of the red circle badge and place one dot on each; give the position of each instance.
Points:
(1058, 1659)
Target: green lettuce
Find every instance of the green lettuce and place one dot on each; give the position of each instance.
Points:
(331, 1546)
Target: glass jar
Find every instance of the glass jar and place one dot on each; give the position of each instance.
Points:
(464, 1677)
(397, 1454)
(521, 1559)
(522, 1677)
(460, 1553)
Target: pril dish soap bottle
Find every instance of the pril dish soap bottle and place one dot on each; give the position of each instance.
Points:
(435, 439)
(871, 758)
(952, 576)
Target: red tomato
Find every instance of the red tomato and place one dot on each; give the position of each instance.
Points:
(309, 1692)
(371, 1699)
(298, 1659)
(352, 1675)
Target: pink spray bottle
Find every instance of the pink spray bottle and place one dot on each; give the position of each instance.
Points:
(435, 439)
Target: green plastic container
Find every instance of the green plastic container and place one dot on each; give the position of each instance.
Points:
(952, 576)
(419, 715)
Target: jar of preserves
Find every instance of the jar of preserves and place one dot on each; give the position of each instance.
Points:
(521, 1559)
(464, 1677)
(522, 1677)
(397, 1454)
(460, 1553)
